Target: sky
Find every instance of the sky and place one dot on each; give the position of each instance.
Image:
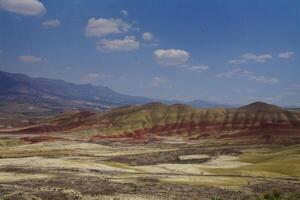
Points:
(227, 51)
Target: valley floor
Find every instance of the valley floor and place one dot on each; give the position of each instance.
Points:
(65, 170)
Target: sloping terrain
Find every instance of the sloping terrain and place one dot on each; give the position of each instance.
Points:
(154, 151)
(159, 120)
(26, 97)
(50, 94)
(64, 170)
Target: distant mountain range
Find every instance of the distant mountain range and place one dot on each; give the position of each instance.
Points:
(20, 93)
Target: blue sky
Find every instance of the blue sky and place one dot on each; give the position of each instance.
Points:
(229, 51)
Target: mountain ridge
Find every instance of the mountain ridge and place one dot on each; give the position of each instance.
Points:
(54, 96)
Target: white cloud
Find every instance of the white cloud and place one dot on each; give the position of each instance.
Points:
(198, 68)
(147, 36)
(229, 74)
(102, 27)
(30, 59)
(247, 74)
(173, 57)
(177, 58)
(286, 55)
(1, 51)
(23, 7)
(127, 44)
(54, 23)
(263, 79)
(158, 81)
(124, 12)
(94, 77)
(251, 57)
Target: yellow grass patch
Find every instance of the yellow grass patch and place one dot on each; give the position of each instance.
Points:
(6, 177)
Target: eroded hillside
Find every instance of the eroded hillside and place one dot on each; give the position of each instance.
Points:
(160, 120)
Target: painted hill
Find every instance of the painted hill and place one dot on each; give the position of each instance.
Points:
(261, 106)
(159, 120)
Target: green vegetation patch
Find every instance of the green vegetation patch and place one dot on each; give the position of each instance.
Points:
(276, 194)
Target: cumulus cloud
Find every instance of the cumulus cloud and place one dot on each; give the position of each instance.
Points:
(286, 55)
(158, 81)
(171, 57)
(127, 44)
(124, 12)
(102, 27)
(147, 36)
(198, 68)
(54, 23)
(23, 7)
(177, 58)
(247, 74)
(251, 57)
(30, 59)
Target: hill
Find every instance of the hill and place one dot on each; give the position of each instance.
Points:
(156, 120)
(261, 106)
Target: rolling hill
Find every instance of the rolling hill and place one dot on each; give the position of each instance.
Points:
(156, 120)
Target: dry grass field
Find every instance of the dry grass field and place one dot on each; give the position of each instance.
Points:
(71, 169)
